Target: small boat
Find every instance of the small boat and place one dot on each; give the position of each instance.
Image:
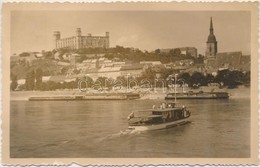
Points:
(165, 116)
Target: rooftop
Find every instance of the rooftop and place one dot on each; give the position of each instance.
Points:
(132, 67)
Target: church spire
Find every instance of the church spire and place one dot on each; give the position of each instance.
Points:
(211, 37)
(211, 26)
(212, 47)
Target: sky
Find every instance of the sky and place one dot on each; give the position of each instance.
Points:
(146, 30)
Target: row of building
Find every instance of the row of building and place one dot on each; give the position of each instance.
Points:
(103, 67)
(108, 71)
(192, 51)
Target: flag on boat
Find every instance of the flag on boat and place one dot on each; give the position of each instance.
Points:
(130, 115)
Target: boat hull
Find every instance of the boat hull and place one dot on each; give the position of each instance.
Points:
(159, 126)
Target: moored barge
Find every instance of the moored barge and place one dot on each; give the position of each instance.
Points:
(97, 96)
(198, 95)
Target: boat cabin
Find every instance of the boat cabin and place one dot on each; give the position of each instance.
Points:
(167, 112)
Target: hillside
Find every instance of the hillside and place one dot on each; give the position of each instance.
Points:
(48, 67)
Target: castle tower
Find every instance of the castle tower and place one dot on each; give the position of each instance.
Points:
(78, 32)
(212, 47)
(78, 38)
(56, 36)
(106, 44)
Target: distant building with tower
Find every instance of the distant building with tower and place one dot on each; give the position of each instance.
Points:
(80, 42)
(224, 60)
(192, 51)
(212, 44)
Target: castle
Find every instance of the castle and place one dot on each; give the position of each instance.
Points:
(80, 42)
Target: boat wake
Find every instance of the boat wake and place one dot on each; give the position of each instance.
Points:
(122, 133)
(130, 132)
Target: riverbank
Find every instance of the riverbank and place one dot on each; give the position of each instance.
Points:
(241, 92)
(24, 95)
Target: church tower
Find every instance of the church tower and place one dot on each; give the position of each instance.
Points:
(212, 47)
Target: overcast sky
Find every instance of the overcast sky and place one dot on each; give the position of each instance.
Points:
(146, 30)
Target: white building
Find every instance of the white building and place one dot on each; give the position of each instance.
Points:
(153, 63)
(109, 72)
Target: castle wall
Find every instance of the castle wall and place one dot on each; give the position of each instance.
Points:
(70, 43)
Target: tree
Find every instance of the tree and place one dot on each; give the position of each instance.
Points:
(246, 79)
(149, 74)
(30, 80)
(64, 70)
(186, 78)
(209, 78)
(48, 55)
(24, 54)
(14, 83)
(231, 79)
(109, 56)
(104, 82)
(166, 72)
(76, 71)
(198, 78)
(84, 83)
(120, 81)
(175, 52)
(38, 78)
(157, 51)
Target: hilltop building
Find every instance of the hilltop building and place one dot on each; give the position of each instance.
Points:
(80, 42)
(192, 51)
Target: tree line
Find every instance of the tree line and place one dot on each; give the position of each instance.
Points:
(131, 54)
(224, 78)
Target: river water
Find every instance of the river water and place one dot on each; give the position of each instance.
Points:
(89, 129)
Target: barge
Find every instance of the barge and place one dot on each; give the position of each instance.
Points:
(98, 96)
(198, 95)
